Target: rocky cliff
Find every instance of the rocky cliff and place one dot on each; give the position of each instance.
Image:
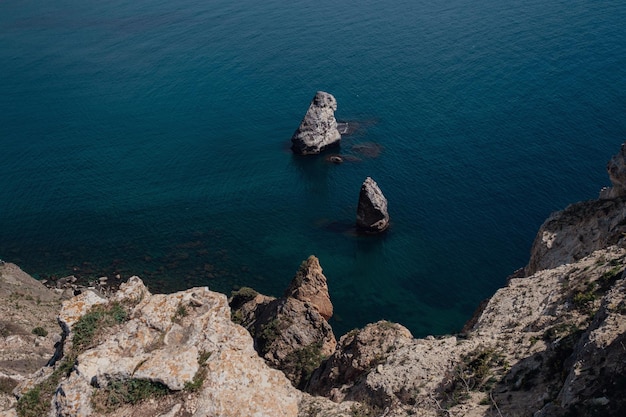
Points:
(550, 343)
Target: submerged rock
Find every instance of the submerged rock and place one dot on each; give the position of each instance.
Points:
(368, 149)
(318, 129)
(372, 215)
(335, 159)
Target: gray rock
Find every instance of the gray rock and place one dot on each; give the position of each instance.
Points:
(577, 231)
(616, 168)
(372, 215)
(318, 129)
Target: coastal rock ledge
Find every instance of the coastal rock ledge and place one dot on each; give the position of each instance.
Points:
(318, 129)
(372, 215)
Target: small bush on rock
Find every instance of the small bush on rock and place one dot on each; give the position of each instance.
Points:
(130, 391)
(40, 331)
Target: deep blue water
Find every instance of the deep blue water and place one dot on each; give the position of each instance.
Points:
(151, 138)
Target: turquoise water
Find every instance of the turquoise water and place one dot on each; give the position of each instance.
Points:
(152, 138)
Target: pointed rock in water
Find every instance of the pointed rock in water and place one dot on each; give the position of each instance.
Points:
(318, 129)
(616, 168)
(372, 215)
(309, 286)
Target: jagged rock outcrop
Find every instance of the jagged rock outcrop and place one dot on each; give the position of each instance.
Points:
(358, 352)
(290, 333)
(372, 215)
(318, 129)
(546, 342)
(176, 342)
(594, 384)
(616, 168)
(309, 286)
(579, 230)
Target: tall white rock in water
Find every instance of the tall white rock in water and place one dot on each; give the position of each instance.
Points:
(318, 129)
(617, 173)
(371, 214)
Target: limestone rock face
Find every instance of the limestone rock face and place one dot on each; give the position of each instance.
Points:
(310, 286)
(174, 340)
(616, 168)
(598, 363)
(318, 129)
(358, 352)
(25, 305)
(571, 234)
(372, 215)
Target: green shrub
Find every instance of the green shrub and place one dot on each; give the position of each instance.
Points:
(198, 379)
(181, 311)
(36, 401)
(269, 333)
(98, 318)
(40, 331)
(241, 296)
(477, 372)
(302, 362)
(130, 391)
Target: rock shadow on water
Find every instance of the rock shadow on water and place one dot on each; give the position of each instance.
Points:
(365, 241)
(367, 149)
(355, 152)
(355, 127)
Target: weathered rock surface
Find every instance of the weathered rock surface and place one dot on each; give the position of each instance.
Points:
(318, 129)
(372, 215)
(309, 286)
(571, 234)
(175, 340)
(595, 380)
(539, 343)
(357, 353)
(25, 305)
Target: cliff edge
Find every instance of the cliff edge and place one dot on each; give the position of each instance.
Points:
(550, 343)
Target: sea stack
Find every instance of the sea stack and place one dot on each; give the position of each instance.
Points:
(617, 173)
(318, 129)
(371, 214)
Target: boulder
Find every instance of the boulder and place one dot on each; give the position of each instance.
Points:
(372, 215)
(310, 286)
(358, 353)
(318, 129)
(293, 337)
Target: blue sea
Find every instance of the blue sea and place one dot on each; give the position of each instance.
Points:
(151, 137)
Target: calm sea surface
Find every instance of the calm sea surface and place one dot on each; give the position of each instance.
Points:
(151, 138)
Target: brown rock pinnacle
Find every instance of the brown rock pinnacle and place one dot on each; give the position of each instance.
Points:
(309, 286)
